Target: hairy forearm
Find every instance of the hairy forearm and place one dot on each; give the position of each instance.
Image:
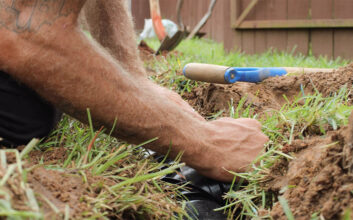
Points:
(41, 46)
(110, 24)
(67, 70)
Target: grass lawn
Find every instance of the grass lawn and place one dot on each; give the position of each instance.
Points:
(121, 181)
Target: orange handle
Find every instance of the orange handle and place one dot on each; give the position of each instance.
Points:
(157, 19)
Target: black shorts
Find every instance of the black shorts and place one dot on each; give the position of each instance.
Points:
(23, 114)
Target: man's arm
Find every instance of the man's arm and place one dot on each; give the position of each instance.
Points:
(42, 46)
(110, 24)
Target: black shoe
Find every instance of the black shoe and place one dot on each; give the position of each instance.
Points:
(203, 194)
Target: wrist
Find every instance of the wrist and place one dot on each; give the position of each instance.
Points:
(198, 150)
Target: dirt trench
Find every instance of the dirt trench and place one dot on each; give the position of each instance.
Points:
(318, 181)
(270, 94)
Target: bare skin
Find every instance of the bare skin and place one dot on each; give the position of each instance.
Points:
(42, 46)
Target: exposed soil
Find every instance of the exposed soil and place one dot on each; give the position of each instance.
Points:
(61, 188)
(317, 181)
(212, 98)
(74, 190)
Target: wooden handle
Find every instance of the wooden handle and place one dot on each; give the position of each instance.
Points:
(307, 70)
(157, 19)
(205, 72)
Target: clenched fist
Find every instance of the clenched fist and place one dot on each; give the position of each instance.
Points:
(229, 144)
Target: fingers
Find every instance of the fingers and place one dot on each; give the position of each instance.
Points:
(243, 121)
(250, 122)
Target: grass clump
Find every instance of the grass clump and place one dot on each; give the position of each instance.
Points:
(309, 114)
(305, 116)
(116, 180)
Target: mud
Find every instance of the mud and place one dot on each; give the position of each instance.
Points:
(270, 94)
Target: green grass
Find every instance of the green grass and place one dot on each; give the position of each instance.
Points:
(131, 182)
(309, 114)
(126, 180)
(206, 51)
(294, 120)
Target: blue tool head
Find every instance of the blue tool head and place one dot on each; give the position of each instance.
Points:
(256, 74)
(230, 76)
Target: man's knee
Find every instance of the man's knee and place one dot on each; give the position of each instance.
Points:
(23, 114)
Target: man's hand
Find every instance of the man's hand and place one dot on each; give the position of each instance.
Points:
(229, 144)
(232, 144)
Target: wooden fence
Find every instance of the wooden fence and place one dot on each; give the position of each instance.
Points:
(321, 27)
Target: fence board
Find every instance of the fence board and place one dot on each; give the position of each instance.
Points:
(248, 37)
(322, 39)
(277, 9)
(140, 12)
(321, 9)
(260, 41)
(248, 44)
(261, 35)
(343, 9)
(342, 44)
(298, 40)
(235, 39)
(322, 42)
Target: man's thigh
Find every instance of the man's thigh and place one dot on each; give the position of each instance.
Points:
(23, 114)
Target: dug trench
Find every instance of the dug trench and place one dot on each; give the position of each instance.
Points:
(272, 93)
(318, 181)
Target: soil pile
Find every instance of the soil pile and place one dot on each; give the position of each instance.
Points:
(318, 181)
(78, 192)
(54, 189)
(146, 53)
(212, 98)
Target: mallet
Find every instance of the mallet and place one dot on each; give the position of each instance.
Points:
(227, 75)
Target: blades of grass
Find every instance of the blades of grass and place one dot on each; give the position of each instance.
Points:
(67, 212)
(110, 162)
(22, 214)
(51, 205)
(94, 161)
(240, 106)
(147, 176)
(291, 132)
(89, 148)
(32, 199)
(231, 109)
(113, 127)
(286, 208)
(3, 159)
(90, 122)
(11, 168)
(29, 147)
(216, 115)
(69, 158)
(284, 155)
